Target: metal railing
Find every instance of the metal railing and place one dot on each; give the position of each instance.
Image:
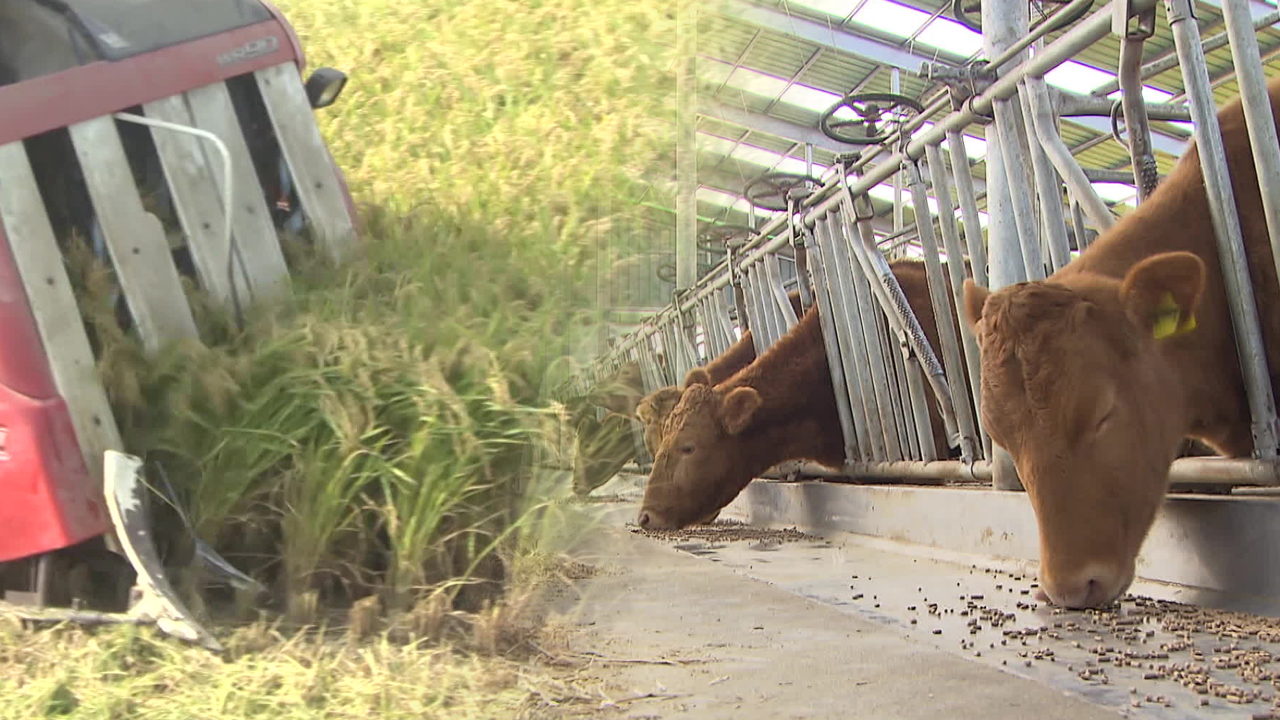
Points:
(884, 371)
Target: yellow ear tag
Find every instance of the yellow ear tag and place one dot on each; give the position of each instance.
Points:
(1168, 315)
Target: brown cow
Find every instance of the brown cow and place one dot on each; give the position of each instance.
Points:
(655, 407)
(1092, 377)
(780, 407)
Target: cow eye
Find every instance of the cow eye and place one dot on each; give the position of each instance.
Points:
(1103, 421)
(686, 449)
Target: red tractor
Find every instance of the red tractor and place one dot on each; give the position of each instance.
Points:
(173, 137)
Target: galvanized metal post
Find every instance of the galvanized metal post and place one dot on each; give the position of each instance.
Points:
(1060, 155)
(968, 206)
(1226, 225)
(856, 445)
(846, 319)
(895, 87)
(1258, 114)
(866, 310)
(686, 145)
(1077, 224)
(911, 342)
(956, 380)
(966, 392)
(1049, 188)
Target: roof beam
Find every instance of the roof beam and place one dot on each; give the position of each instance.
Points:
(757, 122)
(1160, 141)
(824, 35)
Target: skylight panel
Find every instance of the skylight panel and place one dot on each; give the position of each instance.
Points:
(809, 98)
(713, 71)
(951, 36)
(838, 8)
(1114, 192)
(891, 17)
(1077, 77)
(975, 147)
(716, 197)
(755, 155)
(753, 81)
(1185, 125)
(715, 144)
(1150, 94)
(883, 192)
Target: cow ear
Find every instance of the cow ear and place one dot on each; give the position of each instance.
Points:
(975, 299)
(645, 411)
(740, 406)
(697, 376)
(1162, 293)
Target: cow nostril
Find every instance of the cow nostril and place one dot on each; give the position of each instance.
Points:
(643, 521)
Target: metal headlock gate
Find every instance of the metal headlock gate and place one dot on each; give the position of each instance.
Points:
(883, 369)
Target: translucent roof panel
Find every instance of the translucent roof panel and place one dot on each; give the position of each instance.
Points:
(951, 36)
(1149, 94)
(756, 82)
(838, 8)
(891, 17)
(1114, 192)
(1077, 77)
(809, 98)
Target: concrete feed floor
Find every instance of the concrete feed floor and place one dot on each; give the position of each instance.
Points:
(759, 623)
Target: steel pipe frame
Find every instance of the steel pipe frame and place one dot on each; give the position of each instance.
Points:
(1049, 189)
(955, 268)
(893, 303)
(1226, 224)
(844, 380)
(853, 313)
(938, 291)
(1082, 35)
(1258, 115)
(1068, 168)
(1169, 61)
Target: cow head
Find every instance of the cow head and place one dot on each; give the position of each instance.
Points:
(701, 461)
(653, 411)
(603, 447)
(1076, 387)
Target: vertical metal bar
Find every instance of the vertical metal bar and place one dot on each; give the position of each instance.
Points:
(1004, 255)
(895, 81)
(852, 351)
(851, 429)
(911, 340)
(1015, 162)
(1060, 155)
(1258, 116)
(686, 145)
(864, 307)
(1077, 224)
(968, 206)
(1226, 225)
(895, 306)
(942, 313)
(759, 329)
(1049, 188)
(900, 402)
(1136, 124)
(1004, 22)
(965, 392)
(762, 330)
(788, 313)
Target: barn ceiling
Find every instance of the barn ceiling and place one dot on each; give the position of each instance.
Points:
(769, 68)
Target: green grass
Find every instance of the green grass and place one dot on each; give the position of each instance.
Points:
(373, 436)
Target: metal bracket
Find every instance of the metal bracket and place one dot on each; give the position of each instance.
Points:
(974, 79)
(1122, 13)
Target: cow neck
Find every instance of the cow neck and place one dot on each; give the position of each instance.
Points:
(789, 377)
(1149, 229)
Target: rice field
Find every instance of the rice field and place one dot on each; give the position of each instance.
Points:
(366, 448)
